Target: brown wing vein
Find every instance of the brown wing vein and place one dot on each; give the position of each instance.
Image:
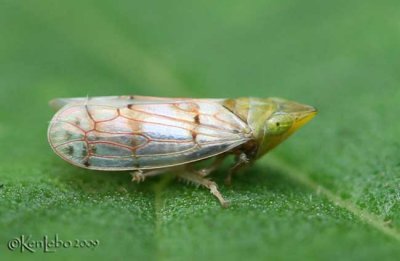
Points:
(181, 120)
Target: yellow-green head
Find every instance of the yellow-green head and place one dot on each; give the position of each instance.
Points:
(271, 120)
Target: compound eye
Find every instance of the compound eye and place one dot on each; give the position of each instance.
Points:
(278, 124)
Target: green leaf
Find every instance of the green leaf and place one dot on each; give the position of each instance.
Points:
(331, 192)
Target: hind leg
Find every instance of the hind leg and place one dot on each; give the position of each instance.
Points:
(196, 179)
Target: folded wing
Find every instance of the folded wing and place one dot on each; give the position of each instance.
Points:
(131, 132)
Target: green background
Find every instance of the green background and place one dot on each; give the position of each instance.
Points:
(331, 192)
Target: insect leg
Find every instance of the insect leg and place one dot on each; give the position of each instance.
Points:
(241, 161)
(140, 175)
(217, 162)
(197, 179)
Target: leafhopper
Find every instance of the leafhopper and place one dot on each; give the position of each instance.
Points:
(150, 135)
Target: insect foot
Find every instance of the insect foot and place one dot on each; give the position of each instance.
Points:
(138, 176)
(214, 190)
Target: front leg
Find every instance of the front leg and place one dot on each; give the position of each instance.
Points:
(241, 161)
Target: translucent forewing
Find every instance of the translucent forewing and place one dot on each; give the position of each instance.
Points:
(122, 133)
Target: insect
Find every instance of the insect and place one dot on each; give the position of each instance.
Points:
(150, 135)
